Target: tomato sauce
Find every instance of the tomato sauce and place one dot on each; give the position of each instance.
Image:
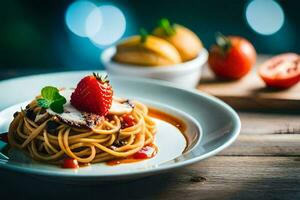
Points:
(167, 118)
(144, 154)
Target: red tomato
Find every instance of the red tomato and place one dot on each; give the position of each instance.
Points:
(70, 163)
(282, 71)
(145, 152)
(128, 121)
(232, 57)
(140, 155)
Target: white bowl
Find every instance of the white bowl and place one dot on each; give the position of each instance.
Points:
(185, 74)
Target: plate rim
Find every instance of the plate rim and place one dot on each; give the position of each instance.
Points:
(144, 172)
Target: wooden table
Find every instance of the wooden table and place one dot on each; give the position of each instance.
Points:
(263, 163)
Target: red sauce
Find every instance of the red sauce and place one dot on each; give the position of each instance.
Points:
(146, 152)
(168, 118)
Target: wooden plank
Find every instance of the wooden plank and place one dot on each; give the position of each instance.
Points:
(221, 177)
(261, 104)
(265, 134)
(269, 123)
(262, 145)
(250, 92)
(242, 178)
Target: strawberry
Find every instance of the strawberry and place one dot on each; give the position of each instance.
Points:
(93, 94)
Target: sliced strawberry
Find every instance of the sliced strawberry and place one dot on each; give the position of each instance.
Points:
(93, 94)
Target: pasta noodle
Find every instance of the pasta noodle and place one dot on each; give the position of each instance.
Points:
(106, 141)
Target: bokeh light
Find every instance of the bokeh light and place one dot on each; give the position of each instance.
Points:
(113, 26)
(83, 18)
(93, 22)
(265, 17)
(98, 26)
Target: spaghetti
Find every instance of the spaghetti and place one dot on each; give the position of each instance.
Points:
(46, 137)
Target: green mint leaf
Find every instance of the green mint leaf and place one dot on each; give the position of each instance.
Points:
(44, 103)
(58, 97)
(61, 100)
(57, 106)
(52, 99)
(49, 92)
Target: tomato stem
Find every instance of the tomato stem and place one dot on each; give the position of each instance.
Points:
(223, 42)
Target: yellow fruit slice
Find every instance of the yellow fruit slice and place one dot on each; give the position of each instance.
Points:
(151, 52)
(183, 39)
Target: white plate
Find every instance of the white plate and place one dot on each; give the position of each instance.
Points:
(220, 125)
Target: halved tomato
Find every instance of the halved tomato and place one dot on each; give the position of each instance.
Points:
(282, 71)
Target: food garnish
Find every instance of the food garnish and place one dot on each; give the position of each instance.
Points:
(50, 98)
(93, 94)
